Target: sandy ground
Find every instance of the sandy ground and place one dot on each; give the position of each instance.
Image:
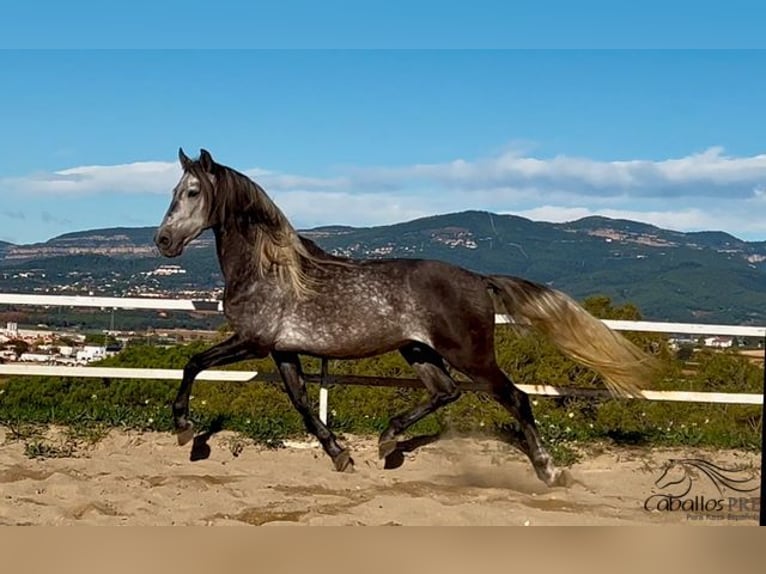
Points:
(147, 479)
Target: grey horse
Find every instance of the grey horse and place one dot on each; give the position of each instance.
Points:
(285, 296)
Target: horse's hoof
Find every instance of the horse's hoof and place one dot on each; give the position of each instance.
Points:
(343, 462)
(386, 448)
(185, 434)
(563, 478)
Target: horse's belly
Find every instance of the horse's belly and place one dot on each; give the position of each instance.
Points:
(342, 341)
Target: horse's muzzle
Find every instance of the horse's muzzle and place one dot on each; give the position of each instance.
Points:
(164, 242)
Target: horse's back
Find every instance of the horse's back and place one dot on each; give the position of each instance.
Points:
(379, 305)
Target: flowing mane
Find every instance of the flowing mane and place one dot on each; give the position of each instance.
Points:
(242, 204)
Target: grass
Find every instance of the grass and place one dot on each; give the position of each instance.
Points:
(261, 412)
(44, 441)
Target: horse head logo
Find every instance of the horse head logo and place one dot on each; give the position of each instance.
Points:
(679, 475)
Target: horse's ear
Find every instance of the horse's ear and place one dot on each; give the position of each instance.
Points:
(183, 158)
(206, 160)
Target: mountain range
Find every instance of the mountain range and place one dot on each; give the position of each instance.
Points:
(670, 275)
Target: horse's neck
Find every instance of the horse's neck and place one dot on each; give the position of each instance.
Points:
(235, 256)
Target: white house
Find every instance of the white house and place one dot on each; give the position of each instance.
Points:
(11, 329)
(719, 342)
(90, 353)
(166, 270)
(35, 357)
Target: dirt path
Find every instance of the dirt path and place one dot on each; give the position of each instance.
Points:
(146, 479)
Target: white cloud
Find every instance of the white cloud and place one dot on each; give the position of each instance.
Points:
(709, 173)
(138, 177)
(270, 180)
(313, 208)
(707, 190)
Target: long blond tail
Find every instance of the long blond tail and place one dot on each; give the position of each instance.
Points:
(576, 332)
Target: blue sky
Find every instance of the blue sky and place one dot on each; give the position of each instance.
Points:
(675, 138)
(383, 24)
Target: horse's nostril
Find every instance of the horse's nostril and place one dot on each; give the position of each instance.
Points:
(162, 239)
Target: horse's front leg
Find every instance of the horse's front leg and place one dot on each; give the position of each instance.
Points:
(232, 350)
(289, 366)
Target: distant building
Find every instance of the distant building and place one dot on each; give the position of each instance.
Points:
(677, 341)
(12, 331)
(35, 358)
(112, 349)
(90, 353)
(719, 342)
(167, 270)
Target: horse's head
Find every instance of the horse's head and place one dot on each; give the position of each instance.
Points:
(676, 477)
(190, 211)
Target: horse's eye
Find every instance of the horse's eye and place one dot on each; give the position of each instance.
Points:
(193, 192)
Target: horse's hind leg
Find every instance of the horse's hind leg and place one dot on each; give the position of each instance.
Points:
(517, 403)
(430, 368)
(289, 366)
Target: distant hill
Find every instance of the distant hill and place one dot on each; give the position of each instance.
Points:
(703, 276)
(113, 242)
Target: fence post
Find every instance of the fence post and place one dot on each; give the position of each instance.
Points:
(323, 392)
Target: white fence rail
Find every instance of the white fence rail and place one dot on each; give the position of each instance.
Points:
(122, 373)
(150, 303)
(244, 376)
